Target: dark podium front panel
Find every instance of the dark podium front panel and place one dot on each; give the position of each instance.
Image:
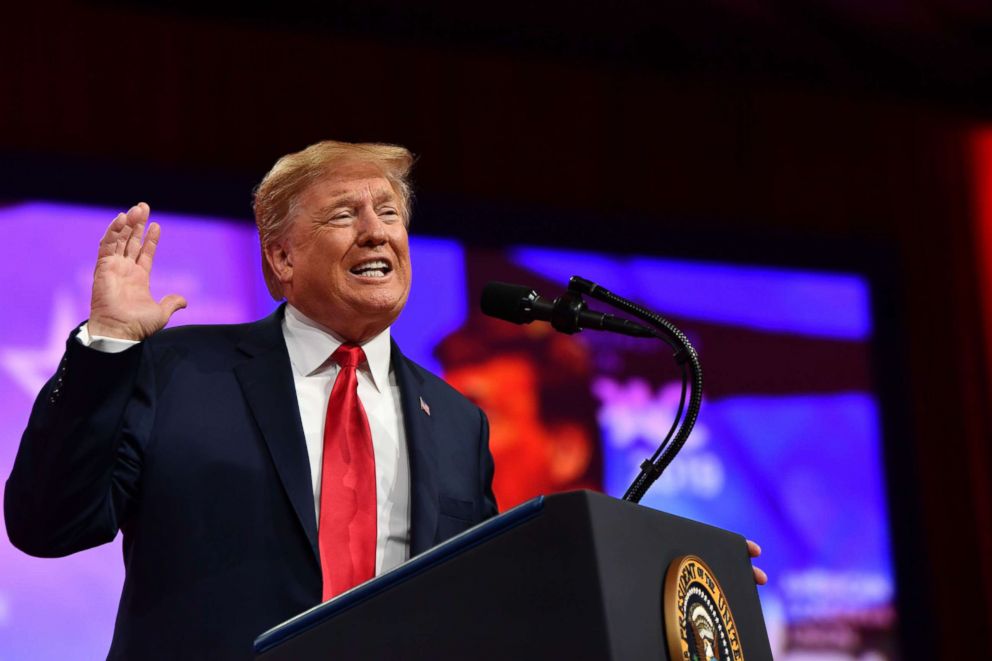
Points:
(570, 576)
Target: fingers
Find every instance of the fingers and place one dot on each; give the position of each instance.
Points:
(108, 244)
(137, 216)
(124, 235)
(753, 550)
(147, 253)
(122, 239)
(171, 304)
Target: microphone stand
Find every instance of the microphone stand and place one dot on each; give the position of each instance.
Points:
(567, 308)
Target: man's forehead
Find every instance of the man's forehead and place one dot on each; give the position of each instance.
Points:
(327, 193)
(343, 183)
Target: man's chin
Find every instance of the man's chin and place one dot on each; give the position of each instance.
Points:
(380, 313)
(379, 303)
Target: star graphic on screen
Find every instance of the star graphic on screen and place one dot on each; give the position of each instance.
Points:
(31, 366)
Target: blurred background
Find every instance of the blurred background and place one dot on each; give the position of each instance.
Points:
(805, 187)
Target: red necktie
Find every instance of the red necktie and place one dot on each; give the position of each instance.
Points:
(347, 526)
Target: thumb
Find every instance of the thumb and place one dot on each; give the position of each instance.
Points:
(171, 303)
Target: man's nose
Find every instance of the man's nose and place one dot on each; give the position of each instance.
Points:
(371, 229)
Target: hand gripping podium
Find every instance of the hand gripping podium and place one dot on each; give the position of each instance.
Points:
(572, 576)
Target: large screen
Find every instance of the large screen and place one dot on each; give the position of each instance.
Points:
(787, 449)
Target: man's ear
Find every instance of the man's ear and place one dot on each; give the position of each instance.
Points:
(280, 260)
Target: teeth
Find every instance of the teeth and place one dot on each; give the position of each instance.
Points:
(373, 269)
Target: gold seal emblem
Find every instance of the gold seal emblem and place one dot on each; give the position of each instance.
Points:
(699, 624)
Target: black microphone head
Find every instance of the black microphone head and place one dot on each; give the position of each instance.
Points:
(508, 302)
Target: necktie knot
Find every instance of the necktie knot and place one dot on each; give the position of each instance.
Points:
(349, 355)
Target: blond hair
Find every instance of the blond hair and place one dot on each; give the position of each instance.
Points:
(276, 198)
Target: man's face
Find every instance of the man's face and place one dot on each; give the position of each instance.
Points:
(345, 261)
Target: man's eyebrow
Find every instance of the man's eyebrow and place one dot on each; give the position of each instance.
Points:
(333, 205)
(340, 199)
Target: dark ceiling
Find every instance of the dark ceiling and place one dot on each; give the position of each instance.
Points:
(939, 51)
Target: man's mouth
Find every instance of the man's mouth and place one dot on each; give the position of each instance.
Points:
(376, 268)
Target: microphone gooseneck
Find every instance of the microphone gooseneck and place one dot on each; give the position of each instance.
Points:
(685, 355)
(569, 314)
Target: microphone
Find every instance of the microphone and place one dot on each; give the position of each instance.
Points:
(568, 313)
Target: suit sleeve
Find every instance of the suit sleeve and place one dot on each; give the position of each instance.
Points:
(76, 472)
(486, 470)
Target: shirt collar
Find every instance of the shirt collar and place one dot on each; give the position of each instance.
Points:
(310, 347)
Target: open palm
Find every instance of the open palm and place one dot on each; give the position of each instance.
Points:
(121, 305)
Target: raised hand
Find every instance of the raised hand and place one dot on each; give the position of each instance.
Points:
(121, 305)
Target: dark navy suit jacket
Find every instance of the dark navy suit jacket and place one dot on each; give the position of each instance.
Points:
(191, 444)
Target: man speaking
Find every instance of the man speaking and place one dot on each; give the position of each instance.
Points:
(255, 469)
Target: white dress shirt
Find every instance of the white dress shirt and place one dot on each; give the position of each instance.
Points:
(310, 348)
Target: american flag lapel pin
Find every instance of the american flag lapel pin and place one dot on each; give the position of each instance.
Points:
(423, 406)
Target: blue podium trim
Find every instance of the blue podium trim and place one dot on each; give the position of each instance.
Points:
(445, 551)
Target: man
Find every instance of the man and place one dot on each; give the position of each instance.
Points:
(253, 469)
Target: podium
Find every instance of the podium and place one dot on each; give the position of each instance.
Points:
(577, 575)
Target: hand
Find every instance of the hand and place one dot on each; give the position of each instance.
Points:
(121, 305)
(753, 550)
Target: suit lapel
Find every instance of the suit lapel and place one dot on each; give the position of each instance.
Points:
(266, 379)
(423, 454)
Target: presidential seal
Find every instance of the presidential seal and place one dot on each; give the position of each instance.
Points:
(699, 625)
